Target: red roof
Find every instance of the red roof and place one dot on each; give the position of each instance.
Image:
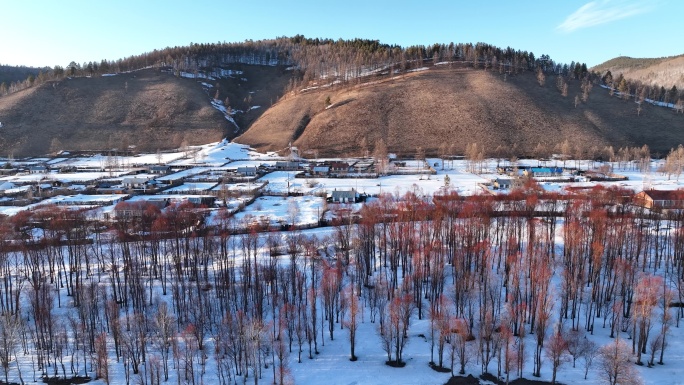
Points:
(665, 195)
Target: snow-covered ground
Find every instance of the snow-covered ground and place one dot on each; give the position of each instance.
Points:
(191, 187)
(332, 366)
(102, 161)
(304, 211)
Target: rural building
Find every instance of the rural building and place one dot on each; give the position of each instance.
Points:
(160, 170)
(205, 200)
(339, 167)
(135, 182)
(138, 208)
(287, 166)
(543, 171)
(247, 170)
(344, 196)
(38, 169)
(502, 183)
(320, 170)
(362, 166)
(660, 199)
(8, 171)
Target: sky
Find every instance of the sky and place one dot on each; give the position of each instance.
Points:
(47, 32)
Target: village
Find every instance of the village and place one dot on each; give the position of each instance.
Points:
(262, 188)
(226, 227)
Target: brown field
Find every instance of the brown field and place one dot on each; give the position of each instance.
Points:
(457, 106)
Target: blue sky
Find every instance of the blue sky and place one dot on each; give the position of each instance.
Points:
(48, 33)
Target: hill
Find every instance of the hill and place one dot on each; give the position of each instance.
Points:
(150, 108)
(453, 107)
(665, 71)
(9, 74)
(378, 93)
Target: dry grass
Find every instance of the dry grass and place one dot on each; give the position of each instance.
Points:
(430, 109)
(662, 72)
(456, 107)
(154, 111)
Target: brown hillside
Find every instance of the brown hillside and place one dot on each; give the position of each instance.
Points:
(667, 71)
(149, 108)
(456, 107)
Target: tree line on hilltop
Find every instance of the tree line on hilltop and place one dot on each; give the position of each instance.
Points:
(313, 58)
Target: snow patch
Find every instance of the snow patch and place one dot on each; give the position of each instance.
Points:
(418, 69)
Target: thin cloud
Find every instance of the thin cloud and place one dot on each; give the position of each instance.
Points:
(602, 12)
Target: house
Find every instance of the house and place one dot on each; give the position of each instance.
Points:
(502, 183)
(127, 209)
(660, 199)
(339, 167)
(287, 166)
(544, 171)
(6, 186)
(203, 200)
(38, 169)
(8, 171)
(135, 182)
(320, 170)
(247, 170)
(160, 170)
(158, 203)
(344, 196)
(362, 166)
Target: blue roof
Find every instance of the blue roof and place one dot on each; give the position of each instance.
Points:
(547, 170)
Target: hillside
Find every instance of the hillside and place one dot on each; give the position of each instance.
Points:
(9, 74)
(151, 109)
(457, 106)
(436, 108)
(666, 71)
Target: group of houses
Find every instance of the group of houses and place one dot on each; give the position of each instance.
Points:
(340, 168)
(42, 180)
(509, 177)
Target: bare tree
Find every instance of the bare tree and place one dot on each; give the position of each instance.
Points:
(586, 89)
(589, 351)
(541, 77)
(616, 366)
(556, 348)
(10, 336)
(101, 358)
(352, 321)
(459, 349)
